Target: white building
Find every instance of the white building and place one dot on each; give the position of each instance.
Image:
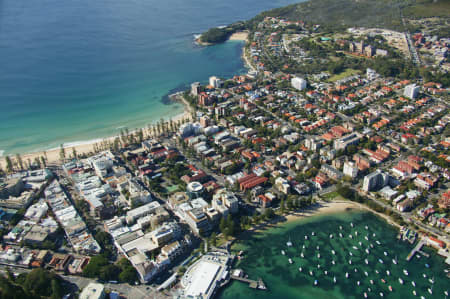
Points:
(298, 83)
(93, 291)
(215, 82)
(411, 91)
(350, 169)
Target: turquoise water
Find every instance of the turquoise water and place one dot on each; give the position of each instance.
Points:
(78, 70)
(263, 259)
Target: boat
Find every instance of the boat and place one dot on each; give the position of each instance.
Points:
(383, 281)
(390, 288)
(367, 239)
(413, 283)
(326, 272)
(374, 234)
(289, 243)
(414, 293)
(395, 260)
(378, 242)
(346, 274)
(356, 233)
(356, 270)
(367, 251)
(358, 282)
(300, 269)
(366, 227)
(381, 294)
(311, 273)
(381, 261)
(418, 256)
(318, 266)
(400, 280)
(350, 236)
(334, 279)
(426, 265)
(366, 261)
(351, 224)
(333, 252)
(282, 252)
(430, 291)
(315, 282)
(340, 235)
(331, 236)
(446, 293)
(318, 247)
(306, 237)
(318, 255)
(365, 295)
(360, 243)
(388, 273)
(424, 275)
(290, 261)
(313, 233)
(333, 262)
(350, 262)
(351, 254)
(431, 280)
(371, 281)
(371, 245)
(369, 289)
(354, 247)
(303, 246)
(340, 227)
(365, 273)
(385, 253)
(376, 271)
(302, 255)
(405, 272)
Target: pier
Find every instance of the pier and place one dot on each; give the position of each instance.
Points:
(254, 284)
(416, 249)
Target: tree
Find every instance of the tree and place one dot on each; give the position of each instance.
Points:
(62, 153)
(19, 161)
(44, 162)
(269, 213)
(282, 205)
(74, 153)
(9, 165)
(213, 239)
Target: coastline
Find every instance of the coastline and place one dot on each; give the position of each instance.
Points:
(88, 146)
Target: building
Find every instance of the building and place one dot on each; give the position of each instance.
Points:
(298, 83)
(375, 181)
(411, 91)
(282, 185)
(227, 199)
(331, 172)
(215, 82)
(194, 190)
(134, 214)
(93, 291)
(195, 88)
(350, 169)
(350, 139)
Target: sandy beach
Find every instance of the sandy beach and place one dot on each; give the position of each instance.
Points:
(87, 147)
(240, 35)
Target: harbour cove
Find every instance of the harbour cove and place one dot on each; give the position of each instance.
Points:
(64, 80)
(345, 254)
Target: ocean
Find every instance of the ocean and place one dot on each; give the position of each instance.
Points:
(263, 258)
(79, 70)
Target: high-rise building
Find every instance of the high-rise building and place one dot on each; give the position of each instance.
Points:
(411, 91)
(375, 181)
(195, 88)
(298, 83)
(350, 169)
(215, 82)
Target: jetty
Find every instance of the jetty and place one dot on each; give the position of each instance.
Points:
(416, 249)
(254, 284)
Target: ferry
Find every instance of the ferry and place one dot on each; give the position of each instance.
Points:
(405, 272)
(315, 282)
(346, 274)
(413, 283)
(282, 252)
(388, 273)
(400, 280)
(290, 261)
(390, 288)
(365, 295)
(300, 269)
(334, 279)
(366, 261)
(381, 261)
(333, 252)
(333, 262)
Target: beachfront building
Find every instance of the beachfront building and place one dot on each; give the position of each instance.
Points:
(375, 181)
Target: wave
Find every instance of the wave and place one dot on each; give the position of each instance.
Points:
(1, 153)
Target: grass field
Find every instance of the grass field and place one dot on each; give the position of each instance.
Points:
(346, 73)
(428, 8)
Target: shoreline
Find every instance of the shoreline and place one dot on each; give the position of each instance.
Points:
(88, 146)
(321, 208)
